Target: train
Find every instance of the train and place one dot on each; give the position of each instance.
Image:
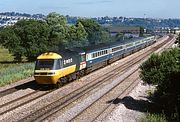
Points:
(59, 67)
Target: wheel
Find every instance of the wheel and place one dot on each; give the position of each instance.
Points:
(64, 80)
(58, 84)
(79, 74)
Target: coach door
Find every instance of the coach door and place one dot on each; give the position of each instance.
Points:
(82, 61)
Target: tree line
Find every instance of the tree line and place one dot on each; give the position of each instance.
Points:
(31, 37)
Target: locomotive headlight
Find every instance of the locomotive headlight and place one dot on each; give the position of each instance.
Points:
(35, 73)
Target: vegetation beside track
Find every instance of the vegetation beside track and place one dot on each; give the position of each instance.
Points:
(153, 118)
(10, 71)
(5, 56)
(164, 71)
(13, 72)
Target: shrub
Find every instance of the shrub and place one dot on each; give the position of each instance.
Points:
(164, 71)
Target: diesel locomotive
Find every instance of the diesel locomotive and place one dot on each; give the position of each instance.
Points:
(65, 65)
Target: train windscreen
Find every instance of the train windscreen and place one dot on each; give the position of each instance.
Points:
(48, 64)
(45, 64)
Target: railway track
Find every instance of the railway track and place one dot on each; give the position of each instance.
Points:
(8, 91)
(60, 104)
(65, 101)
(23, 84)
(9, 106)
(107, 100)
(112, 104)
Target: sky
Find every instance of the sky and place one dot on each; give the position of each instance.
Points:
(96, 8)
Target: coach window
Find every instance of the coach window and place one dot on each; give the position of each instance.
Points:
(95, 54)
(98, 53)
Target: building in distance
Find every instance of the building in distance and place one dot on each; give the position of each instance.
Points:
(127, 31)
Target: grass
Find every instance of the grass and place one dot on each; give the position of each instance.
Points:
(12, 72)
(153, 118)
(5, 56)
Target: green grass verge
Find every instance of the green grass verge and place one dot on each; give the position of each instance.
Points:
(153, 118)
(5, 56)
(13, 72)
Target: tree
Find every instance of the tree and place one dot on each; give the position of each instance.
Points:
(159, 70)
(54, 19)
(77, 36)
(26, 38)
(118, 36)
(95, 32)
(34, 37)
(164, 71)
(58, 29)
(105, 37)
(11, 41)
(1, 28)
(141, 31)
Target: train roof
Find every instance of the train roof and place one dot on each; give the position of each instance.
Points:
(68, 53)
(110, 44)
(77, 51)
(123, 42)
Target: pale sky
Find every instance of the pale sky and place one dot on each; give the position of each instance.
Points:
(96, 8)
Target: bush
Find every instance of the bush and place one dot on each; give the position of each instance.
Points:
(164, 71)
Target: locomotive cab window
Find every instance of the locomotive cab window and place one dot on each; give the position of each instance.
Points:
(83, 57)
(48, 64)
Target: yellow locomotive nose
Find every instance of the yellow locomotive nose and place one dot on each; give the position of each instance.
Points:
(45, 79)
(48, 76)
(48, 68)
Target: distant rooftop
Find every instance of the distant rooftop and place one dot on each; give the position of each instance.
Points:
(123, 29)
